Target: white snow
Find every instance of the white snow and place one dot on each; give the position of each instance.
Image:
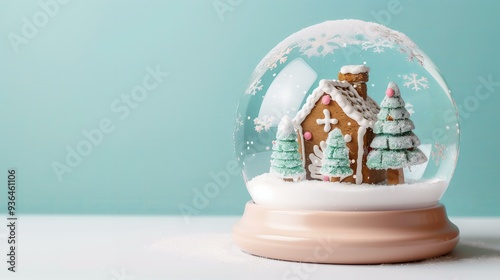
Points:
(354, 69)
(210, 248)
(269, 190)
(285, 128)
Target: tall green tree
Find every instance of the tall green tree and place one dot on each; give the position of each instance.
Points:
(395, 146)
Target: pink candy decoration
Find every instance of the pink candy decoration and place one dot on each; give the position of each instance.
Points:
(326, 178)
(389, 92)
(308, 135)
(326, 99)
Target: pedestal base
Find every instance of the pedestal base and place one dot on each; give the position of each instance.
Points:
(345, 237)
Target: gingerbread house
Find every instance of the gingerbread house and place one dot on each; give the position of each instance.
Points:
(342, 104)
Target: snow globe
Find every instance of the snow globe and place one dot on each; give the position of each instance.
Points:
(347, 137)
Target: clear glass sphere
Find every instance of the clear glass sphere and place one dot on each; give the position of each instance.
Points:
(375, 88)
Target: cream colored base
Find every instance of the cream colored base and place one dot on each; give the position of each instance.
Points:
(345, 237)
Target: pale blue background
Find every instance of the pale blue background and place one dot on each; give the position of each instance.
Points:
(66, 77)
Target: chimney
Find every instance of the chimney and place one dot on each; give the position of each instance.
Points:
(357, 76)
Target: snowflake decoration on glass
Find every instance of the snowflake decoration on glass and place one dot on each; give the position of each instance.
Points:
(410, 108)
(378, 45)
(279, 57)
(438, 153)
(396, 38)
(318, 46)
(318, 41)
(415, 82)
(254, 87)
(263, 123)
(239, 122)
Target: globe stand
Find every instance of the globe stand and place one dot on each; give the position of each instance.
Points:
(345, 237)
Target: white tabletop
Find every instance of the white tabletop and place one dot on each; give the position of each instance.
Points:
(140, 248)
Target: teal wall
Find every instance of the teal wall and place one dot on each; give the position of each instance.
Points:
(73, 73)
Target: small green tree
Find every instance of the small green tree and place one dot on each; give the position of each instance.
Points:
(395, 145)
(335, 163)
(285, 159)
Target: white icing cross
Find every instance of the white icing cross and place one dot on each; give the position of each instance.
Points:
(327, 120)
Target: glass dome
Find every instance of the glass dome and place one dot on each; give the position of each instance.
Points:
(347, 115)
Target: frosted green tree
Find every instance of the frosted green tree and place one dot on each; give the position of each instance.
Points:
(285, 159)
(395, 145)
(335, 163)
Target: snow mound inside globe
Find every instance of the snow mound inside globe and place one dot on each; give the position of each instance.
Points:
(272, 191)
(300, 69)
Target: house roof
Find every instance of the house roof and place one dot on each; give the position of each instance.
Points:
(364, 112)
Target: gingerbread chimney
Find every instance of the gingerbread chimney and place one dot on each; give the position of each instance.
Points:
(357, 76)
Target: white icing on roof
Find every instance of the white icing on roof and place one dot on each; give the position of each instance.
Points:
(354, 69)
(364, 112)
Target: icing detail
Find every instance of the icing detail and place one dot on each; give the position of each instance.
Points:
(359, 171)
(347, 138)
(354, 69)
(316, 159)
(302, 147)
(327, 121)
(307, 135)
